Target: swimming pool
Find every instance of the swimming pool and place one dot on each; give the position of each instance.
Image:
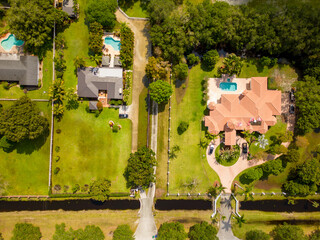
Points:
(9, 42)
(228, 86)
(114, 43)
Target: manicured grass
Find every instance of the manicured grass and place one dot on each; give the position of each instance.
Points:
(41, 93)
(25, 170)
(266, 221)
(283, 74)
(77, 42)
(279, 127)
(90, 150)
(191, 163)
(143, 118)
(223, 161)
(137, 9)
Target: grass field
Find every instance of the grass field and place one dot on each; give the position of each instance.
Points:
(191, 163)
(25, 170)
(266, 221)
(42, 93)
(283, 74)
(137, 9)
(77, 42)
(143, 118)
(107, 220)
(90, 150)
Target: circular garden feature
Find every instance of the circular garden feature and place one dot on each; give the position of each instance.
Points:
(227, 156)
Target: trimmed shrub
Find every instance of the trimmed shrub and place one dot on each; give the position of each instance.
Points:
(57, 149)
(56, 170)
(57, 158)
(183, 126)
(58, 131)
(76, 188)
(115, 128)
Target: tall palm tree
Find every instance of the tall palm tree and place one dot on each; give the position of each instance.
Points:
(240, 220)
(248, 136)
(216, 190)
(96, 58)
(248, 193)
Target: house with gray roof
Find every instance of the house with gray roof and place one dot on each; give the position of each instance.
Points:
(21, 69)
(93, 80)
(67, 6)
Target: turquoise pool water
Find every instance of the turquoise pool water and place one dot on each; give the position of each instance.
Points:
(8, 43)
(114, 43)
(228, 86)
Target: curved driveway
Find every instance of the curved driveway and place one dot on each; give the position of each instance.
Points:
(227, 174)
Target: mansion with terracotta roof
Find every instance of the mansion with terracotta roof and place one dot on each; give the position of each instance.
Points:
(254, 110)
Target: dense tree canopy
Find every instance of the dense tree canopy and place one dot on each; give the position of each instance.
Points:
(157, 69)
(90, 232)
(202, 231)
(123, 232)
(23, 231)
(172, 230)
(100, 189)
(32, 21)
(210, 59)
(95, 38)
(139, 171)
(160, 91)
(257, 235)
(287, 232)
(102, 11)
(180, 71)
(22, 120)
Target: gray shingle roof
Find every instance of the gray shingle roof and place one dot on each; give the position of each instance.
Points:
(24, 69)
(93, 105)
(105, 61)
(90, 84)
(117, 61)
(67, 7)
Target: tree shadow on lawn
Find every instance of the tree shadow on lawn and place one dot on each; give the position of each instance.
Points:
(29, 146)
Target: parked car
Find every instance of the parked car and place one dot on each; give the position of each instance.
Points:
(292, 96)
(291, 109)
(123, 115)
(211, 148)
(244, 147)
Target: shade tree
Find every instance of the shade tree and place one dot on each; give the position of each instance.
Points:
(26, 231)
(100, 189)
(203, 231)
(123, 232)
(160, 91)
(103, 12)
(287, 232)
(257, 235)
(172, 230)
(139, 171)
(22, 120)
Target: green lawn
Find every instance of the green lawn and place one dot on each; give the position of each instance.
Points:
(143, 118)
(266, 221)
(25, 170)
(77, 42)
(283, 74)
(137, 9)
(191, 163)
(90, 150)
(42, 93)
(279, 127)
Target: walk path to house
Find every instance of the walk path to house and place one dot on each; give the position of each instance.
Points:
(227, 174)
(225, 231)
(142, 51)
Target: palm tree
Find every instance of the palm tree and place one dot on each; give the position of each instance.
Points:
(96, 58)
(216, 190)
(56, 91)
(248, 136)
(79, 62)
(248, 193)
(240, 220)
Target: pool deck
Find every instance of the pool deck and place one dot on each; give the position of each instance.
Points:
(215, 92)
(109, 50)
(14, 50)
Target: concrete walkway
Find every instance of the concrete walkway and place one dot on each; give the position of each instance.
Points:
(227, 174)
(225, 231)
(142, 51)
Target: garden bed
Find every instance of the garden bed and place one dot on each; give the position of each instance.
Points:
(228, 157)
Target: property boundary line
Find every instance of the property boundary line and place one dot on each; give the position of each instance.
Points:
(52, 120)
(168, 150)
